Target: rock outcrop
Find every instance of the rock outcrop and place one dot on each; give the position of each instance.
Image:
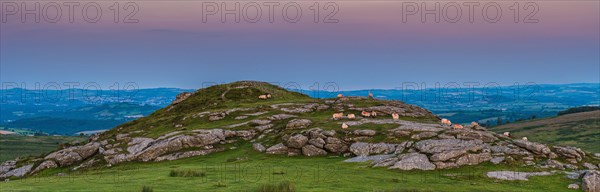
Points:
(591, 181)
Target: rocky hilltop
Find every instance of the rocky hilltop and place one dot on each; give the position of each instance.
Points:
(275, 121)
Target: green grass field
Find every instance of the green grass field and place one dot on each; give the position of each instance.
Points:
(577, 129)
(13, 146)
(223, 172)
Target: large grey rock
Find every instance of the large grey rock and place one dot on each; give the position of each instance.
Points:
(281, 117)
(473, 159)
(570, 152)
(448, 154)
(317, 142)
(360, 149)
(311, 150)
(297, 141)
(404, 145)
(176, 143)
(278, 149)
(260, 122)
(497, 160)
(365, 132)
(335, 145)
(512, 176)
(451, 147)
(536, 148)
(18, 172)
(413, 161)
(468, 134)
(258, 147)
(7, 166)
(423, 135)
(591, 181)
(590, 166)
(65, 157)
(385, 162)
(138, 144)
(298, 124)
(185, 154)
(74, 154)
(374, 158)
(365, 149)
(45, 165)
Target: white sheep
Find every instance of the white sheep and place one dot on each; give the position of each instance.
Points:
(351, 116)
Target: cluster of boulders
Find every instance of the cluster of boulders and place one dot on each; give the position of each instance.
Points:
(314, 142)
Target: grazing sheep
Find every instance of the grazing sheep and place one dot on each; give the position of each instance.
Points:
(351, 116)
(524, 139)
(373, 114)
(344, 126)
(268, 96)
(337, 116)
(506, 134)
(457, 126)
(262, 97)
(395, 116)
(365, 114)
(446, 122)
(340, 95)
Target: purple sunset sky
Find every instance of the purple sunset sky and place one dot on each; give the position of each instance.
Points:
(370, 47)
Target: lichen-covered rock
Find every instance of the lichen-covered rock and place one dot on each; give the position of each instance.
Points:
(277, 149)
(590, 166)
(512, 176)
(45, 165)
(570, 152)
(423, 135)
(7, 166)
(473, 159)
(591, 181)
(298, 124)
(258, 147)
(297, 141)
(448, 154)
(281, 117)
(365, 132)
(317, 142)
(138, 144)
(536, 148)
(186, 154)
(467, 134)
(311, 150)
(437, 146)
(176, 143)
(413, 161)
(335, 145)
(360, 149)
(18, 172)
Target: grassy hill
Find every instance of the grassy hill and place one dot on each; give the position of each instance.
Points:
(191, 113)
(576, 129)
(236, 165)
